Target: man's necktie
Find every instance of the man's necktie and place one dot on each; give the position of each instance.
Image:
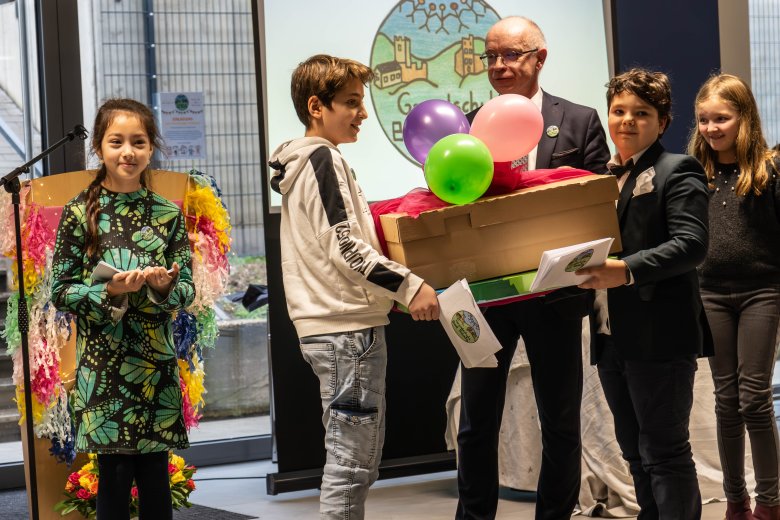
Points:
(618, 170)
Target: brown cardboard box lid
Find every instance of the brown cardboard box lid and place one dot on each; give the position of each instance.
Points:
(520, 204)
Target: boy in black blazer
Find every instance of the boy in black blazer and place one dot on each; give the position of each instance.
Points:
(648, 325)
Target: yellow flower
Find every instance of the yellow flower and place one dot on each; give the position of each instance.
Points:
(177, 477)
(85, 481)
(177, 461)
(88, 467)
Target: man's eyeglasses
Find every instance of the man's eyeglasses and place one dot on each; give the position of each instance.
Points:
(489, 59)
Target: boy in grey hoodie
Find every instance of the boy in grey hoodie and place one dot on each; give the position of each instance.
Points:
(339, 287)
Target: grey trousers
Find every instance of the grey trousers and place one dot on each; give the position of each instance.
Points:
(744, 324)
(351, 369)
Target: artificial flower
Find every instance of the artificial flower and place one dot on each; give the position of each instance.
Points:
(81, 488)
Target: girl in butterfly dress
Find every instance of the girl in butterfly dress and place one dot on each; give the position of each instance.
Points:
(127, 402)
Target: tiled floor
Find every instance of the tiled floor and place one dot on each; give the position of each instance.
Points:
(241, 487)
(429, 497)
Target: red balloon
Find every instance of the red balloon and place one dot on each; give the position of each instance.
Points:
(510, 125)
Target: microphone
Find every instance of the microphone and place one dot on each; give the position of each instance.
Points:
(80, 132)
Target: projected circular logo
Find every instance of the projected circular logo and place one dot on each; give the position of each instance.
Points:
(465, 326)
(427, 50)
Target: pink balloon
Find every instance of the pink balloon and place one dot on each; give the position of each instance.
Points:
(510, 125)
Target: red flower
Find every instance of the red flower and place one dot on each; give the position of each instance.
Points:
(83, 494)
(73, 478)
(191, 484)
(134, 492)
(172, 469)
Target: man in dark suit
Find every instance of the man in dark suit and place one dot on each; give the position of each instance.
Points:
(551, 326)
(649, 325)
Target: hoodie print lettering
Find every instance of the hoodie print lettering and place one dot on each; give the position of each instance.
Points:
(349, 250)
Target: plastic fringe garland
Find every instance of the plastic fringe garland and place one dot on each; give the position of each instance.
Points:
(208, 331)
(63, 446)
(11, 334)
(185, 332)
(8, 235)
(191, 382)
(57, 426)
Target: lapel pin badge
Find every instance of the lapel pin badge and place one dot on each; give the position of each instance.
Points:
(552, 131)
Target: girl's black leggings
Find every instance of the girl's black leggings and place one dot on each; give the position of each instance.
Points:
(117, 472)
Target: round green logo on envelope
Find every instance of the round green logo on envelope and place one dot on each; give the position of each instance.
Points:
(465, 326)
(579, 261)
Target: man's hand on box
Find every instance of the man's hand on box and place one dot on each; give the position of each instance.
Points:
(611, 274)
(424, 305)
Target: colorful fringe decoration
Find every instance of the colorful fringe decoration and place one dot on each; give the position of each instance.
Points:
(60, 429)
(37, 408)
(191, 381)
(208, 226)
(190, 413)
(207, 328)
(185, 331)
(8, 239)
(11, 334)
(37, 242)
(203, 202)
(193, 377)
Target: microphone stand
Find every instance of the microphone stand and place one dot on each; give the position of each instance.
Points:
(12, 185)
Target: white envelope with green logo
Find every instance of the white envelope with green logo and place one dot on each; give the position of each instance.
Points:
(466, 327)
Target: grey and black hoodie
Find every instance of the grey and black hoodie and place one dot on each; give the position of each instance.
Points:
(335, 278)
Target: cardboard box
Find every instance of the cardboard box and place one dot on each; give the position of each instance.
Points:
(506, 234)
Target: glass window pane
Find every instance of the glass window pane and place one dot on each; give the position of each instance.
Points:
(765, 64)
(205, 48)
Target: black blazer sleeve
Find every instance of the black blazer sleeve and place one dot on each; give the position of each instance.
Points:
(596, 154)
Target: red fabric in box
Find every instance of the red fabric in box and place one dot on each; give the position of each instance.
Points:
(422, 199)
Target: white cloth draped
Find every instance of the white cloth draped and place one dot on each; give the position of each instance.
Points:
(607, 488)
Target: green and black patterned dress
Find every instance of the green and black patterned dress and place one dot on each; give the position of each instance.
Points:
(127, 396)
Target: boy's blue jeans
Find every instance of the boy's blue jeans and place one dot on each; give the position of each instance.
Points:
(351, 369)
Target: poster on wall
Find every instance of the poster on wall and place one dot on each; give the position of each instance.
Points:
(182, 124)
(420, 50)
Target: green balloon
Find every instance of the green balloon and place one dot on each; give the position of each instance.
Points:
(459, 168)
